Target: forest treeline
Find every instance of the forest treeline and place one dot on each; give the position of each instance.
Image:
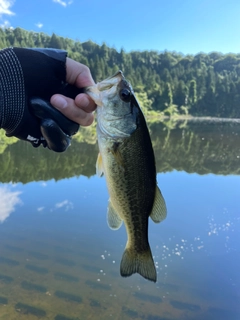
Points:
(183, 147)
(167, 82)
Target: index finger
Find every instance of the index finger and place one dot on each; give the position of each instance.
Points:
(78, 74)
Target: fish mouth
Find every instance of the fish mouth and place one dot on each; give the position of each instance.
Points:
(111, 81)
(119, 73)
(108, 87)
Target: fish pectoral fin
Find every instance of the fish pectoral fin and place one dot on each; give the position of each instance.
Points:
(159, 210)
(113, 219)
(99, 165)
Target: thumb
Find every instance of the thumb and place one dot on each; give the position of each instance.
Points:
(68, 107)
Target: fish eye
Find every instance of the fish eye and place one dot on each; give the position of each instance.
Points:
(125, 95)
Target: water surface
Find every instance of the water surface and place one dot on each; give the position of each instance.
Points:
(59, 260)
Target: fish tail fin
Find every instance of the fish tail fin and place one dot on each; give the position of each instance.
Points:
(142, 263)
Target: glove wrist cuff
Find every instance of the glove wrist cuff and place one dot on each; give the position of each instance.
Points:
(12, 91)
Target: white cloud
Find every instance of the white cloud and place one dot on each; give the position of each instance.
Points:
(39, 25)
(40, 209)
(62, 3)
(8, 201)
(5, 6)
(5, 24)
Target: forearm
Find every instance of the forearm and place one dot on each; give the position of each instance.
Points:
(12, 91)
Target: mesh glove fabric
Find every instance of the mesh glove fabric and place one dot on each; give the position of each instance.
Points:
(28, 79)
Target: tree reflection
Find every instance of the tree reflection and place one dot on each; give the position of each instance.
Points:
(193, 146)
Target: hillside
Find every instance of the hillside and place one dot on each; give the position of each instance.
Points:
(169, 82)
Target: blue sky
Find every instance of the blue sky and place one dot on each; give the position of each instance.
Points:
(187, 26)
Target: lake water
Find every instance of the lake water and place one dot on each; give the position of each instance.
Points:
(59, 260)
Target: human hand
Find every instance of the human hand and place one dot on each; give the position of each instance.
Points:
(75, 106)
(34, 76)
(79, 109)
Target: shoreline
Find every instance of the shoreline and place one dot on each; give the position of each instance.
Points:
(192, 119)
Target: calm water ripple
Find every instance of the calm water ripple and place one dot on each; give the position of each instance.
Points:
(59, 260)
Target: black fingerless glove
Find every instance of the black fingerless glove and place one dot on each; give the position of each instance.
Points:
(27, 74)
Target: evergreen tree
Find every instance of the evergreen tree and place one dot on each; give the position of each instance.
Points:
(55, 42)
(192, 97)
(181, 93)
(207, 84)
(166, 97)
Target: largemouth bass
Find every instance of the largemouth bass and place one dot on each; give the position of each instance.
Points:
(127, 160)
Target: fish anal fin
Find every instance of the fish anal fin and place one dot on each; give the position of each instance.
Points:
(159, 210)
(142, 263)
(99, 166)
(113, 219)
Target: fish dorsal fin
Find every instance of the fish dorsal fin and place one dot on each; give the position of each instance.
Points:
(99, 166)
(159, 210)
(113, 219)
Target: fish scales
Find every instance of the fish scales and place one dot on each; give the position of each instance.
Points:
(132, 184)
(126, 158)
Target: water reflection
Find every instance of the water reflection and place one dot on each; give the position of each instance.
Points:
(182, 146)
(9, 200)
(59, 260)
